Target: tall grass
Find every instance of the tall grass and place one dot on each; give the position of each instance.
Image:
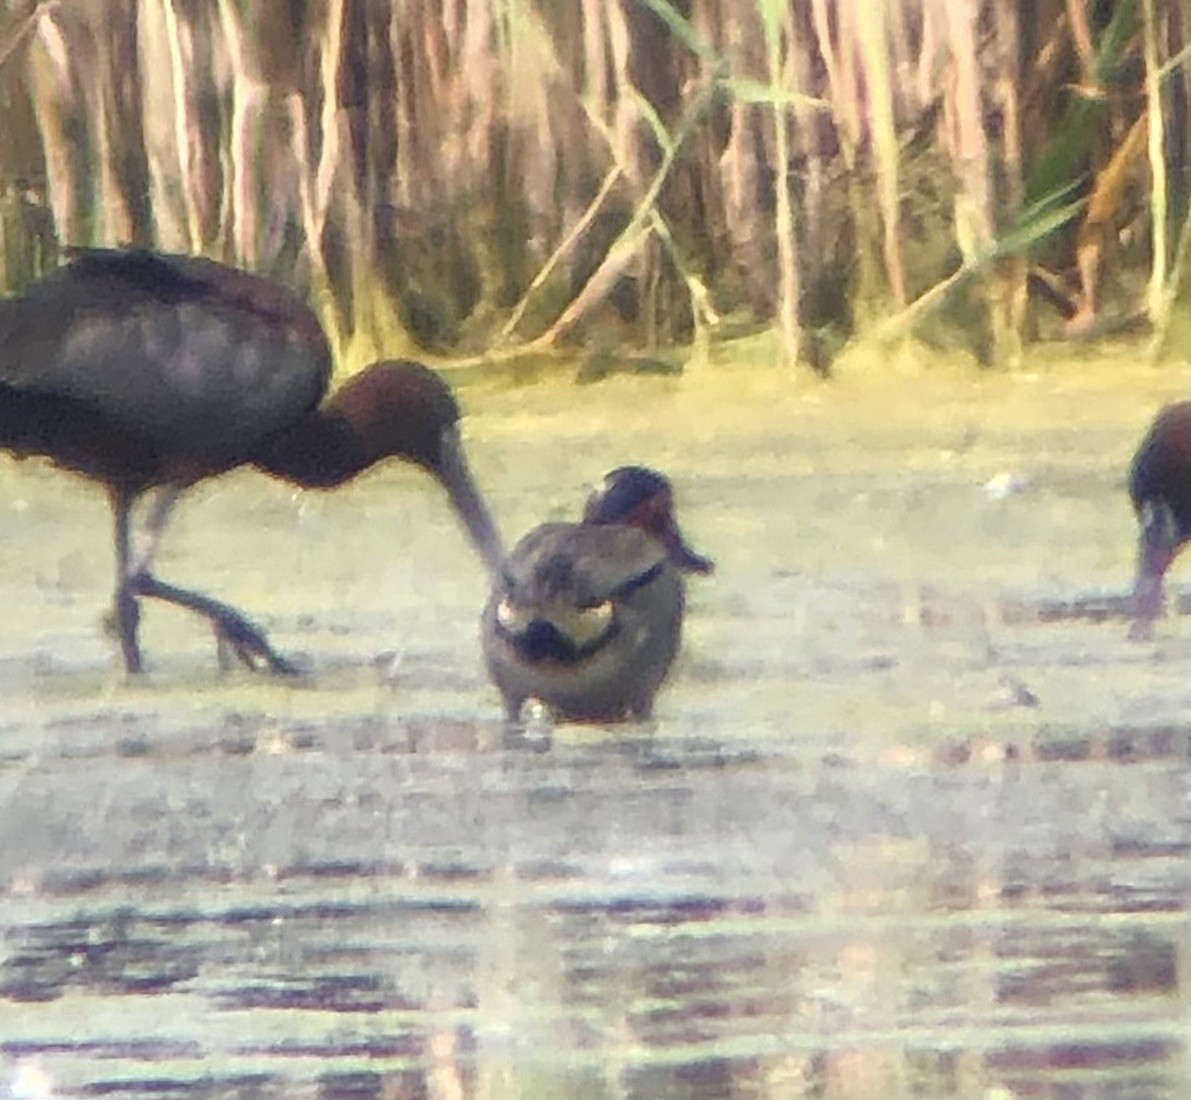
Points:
(483, 177)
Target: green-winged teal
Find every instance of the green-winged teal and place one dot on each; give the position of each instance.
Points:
(1160, 488)
(586, 617)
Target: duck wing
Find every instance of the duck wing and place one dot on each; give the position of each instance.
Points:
(585, 566)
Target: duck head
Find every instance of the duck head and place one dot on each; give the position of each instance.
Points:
(636, 496)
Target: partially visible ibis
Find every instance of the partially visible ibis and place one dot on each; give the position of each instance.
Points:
(1160, 488)
(150, 372)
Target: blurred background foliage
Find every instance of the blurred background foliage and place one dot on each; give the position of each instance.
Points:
(472, 177)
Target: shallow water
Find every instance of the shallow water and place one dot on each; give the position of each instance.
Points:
(849, 859)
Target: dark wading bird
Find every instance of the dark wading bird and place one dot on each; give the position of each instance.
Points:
(1160, 488)
(586, 617)
(145, 371)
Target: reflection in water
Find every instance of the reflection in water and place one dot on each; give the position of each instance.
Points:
(766, 925)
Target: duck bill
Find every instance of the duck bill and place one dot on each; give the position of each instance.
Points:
(455, 475)
(682, 556)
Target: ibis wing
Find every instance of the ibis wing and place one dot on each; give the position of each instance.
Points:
(1159, 468)
(184, 352)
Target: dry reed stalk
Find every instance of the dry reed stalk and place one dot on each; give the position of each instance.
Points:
(57, 98)
(598, 86)
(111, 220)
(1097, 228)
(625, 133)
(1007, 78)
(894, 328)
(779, 45)
(185, 125)
(316, 182)
(561, 249)
(691, 41)
(1180, 22)
(838, 48)
(599, 285)
(1012, 273)
(429, 103)
(159, 131)
(476, 94)
(1170, 293)
(874, 43)
(740, 162)
(472, 97)
(967, 141)
(930, 52)
(626, 117)
(703, 313)
(263, 44)
(331, 130)
(404, 129)
(22, 26)
(841, 75)
(537, 154)
(242, 146)
(624, 247)
(607, 43)
(128, 100)
(1155, 146)
(1081, 35)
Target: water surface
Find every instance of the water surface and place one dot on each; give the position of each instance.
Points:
(913, 819)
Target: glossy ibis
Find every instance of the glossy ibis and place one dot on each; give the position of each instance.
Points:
(1160, 488)
(144, 371)
(586, 617)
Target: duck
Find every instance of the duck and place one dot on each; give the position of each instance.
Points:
(586, 618)
(1160, 490)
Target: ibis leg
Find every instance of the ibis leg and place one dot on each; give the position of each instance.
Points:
(150, 539)
(126, 612)
(246, 640)
(136, 580)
